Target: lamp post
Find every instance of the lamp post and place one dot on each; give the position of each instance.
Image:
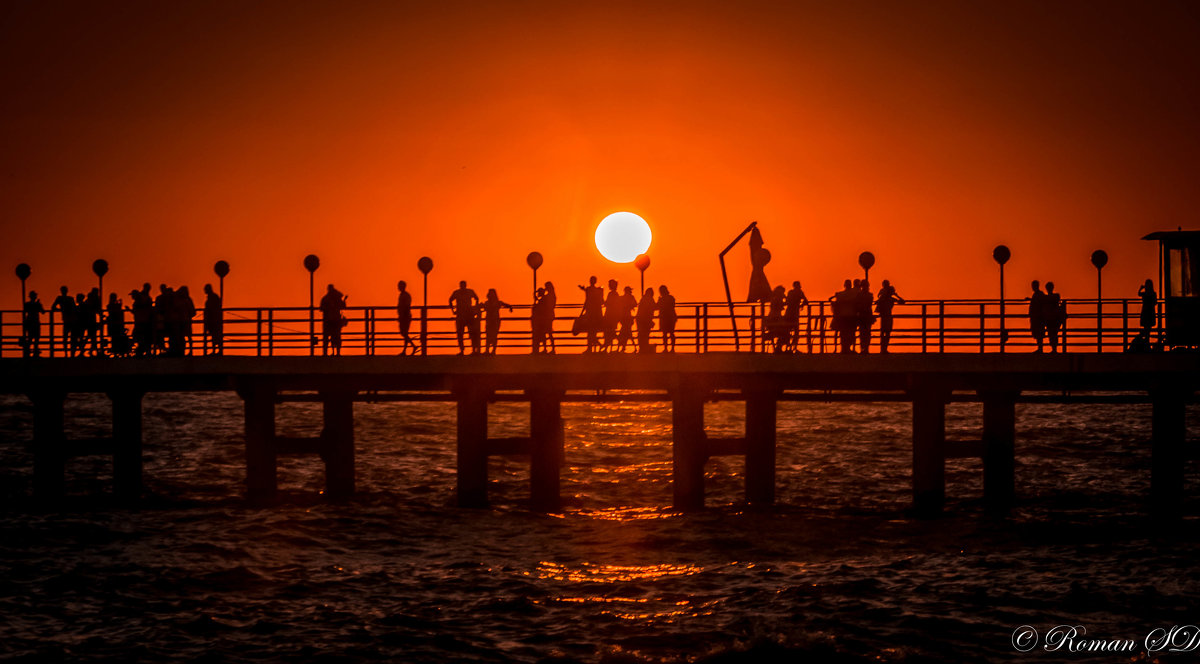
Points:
(641, 263)
(425, 265)
(534, 261)
(311, 263)
(23, 272)
(100, 268)
(866, 260)
(1001, 254)
(221, 268)
(1099, 259)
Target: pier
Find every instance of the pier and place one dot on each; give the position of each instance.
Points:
(687, 381)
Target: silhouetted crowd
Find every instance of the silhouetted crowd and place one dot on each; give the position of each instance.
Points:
(162, 323)
(855, 311)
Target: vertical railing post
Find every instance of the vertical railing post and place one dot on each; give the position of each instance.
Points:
(941, 326)
(697, 312)
(258, 332)
(1124, 324)
(424, 330)
(753, 328)
(705, 327)
(270, 332)
(924, 328)
(982, 326)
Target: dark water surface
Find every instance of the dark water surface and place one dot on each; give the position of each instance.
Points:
(836, 572)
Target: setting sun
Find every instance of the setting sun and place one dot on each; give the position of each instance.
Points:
(621, 236)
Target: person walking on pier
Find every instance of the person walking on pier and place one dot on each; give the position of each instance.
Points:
(844, 321)
(404, 317)
(66, 304)
(1037, 314)
(550, 311)
(90, 320)
(1054, 315)
(645, 321)
(667, 318)
(625, 318)
(79, 327)
(1149, 315)
(185, 311)
(465, 305)
(887, 299)
(31, 326)
(791, 315)
(491, 307)
(332, 321)
(864, 317)
(591, 319)
(163, 317)
(612, 315)
(114, 324)
(214, 320)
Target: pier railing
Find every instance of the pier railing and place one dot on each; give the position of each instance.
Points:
(920, 326)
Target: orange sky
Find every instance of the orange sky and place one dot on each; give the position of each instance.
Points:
(163, 137)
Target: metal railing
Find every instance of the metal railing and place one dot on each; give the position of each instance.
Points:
(920, 326)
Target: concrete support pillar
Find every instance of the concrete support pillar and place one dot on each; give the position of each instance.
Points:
(49, 457)
(337, 443)
(127, 443)
(546, 449)
(999, 448)
(261, 479)
(689, 452)
(1169, 438)
(760, 447)
(472, 446)
(929, 461)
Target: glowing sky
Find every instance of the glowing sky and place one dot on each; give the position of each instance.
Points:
(167, 135)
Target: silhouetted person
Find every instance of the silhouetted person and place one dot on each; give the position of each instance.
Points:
(66, 304)
(142, 308)
(214, 320)
(791, 314)
(164, 316)
(404, 316)
(774, 328)
(1054, 315)
(551, 310)
(465, 305)
(667, 318)
(612, 314)
(79, 326)
(864, 316)
(491, 308)
(844, 318)
(625, 311)
(1037, 314)
(645, 321)
(537, 325)
(31, 326)
(591, 318)
(332, 321)
(185, 311)
(884, 302)
(114, 324)
(1149, 316)
(90, 319)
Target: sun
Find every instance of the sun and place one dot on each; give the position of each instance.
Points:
(622, 236)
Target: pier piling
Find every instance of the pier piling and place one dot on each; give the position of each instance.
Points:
(546, 448)
(929, 439)
(689, 449)
(49, 457)
(1169, 435)
(472, 446)
(337, 443)
(999, 448)
(261, 477)
(760, 446)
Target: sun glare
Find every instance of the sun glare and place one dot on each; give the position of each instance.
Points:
(621, 236)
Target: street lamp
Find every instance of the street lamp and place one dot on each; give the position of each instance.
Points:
(1099, 259)
(641, 263)
(1001, 254)
(866, 260)
(425, 265)
(221, 268)
(311, 263)
(534, 261)
(23, 272)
